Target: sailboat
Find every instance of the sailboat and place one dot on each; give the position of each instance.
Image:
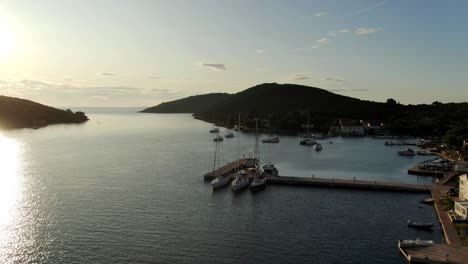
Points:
(242, 180)
(308, 140)
(270, 139)
(259, 179)
(221, 180)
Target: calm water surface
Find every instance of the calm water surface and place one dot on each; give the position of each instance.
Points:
(128, 188)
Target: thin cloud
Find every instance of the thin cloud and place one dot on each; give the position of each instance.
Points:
(260, 51)
(366, 31)
(321, 14)
(215, 66)
(331, 34)
(334, 79)
(323, 41)
(369, 8)
(108, 74)
(300, 76)
(344, 31)
(156, 78)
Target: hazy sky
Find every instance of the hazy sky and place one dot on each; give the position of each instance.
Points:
(139, 53)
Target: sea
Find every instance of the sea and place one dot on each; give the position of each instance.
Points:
(127, 187)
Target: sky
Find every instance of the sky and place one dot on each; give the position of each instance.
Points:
(140, 53)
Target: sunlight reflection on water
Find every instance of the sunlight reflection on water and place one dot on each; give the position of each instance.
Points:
(10, 165)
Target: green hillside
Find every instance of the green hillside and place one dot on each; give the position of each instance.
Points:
(192, 104)
(287, 107)
(20, 113)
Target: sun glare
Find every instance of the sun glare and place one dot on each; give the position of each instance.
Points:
(7, 40)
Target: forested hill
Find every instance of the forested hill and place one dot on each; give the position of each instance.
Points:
(287, 107)
(192, 104)
(20, 113)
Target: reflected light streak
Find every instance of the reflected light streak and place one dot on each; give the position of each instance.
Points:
(10, 162)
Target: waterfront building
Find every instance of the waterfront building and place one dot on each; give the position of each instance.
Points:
(461, 209)
(463, 190)
(351, 128)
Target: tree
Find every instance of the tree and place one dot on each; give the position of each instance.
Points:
(455, 136)
(391, 101)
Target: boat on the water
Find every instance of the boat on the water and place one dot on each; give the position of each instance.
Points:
(214, 130)
(269, 169)
(258, 183)
(394, 143)
(271, 140)
(420, 225)
(318, 147)
(241, 181)
(408, 243)
(424, 152)
(218, 139)
(220, 181)
(406, 152)
(308, 141)
(229, 135)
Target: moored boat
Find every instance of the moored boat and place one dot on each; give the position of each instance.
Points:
(308, 142)
(220, 181)
(406, 152)
(241, 181)
(424, 152)
(420, 225)
(218, 139)
(318, 147)
(271, 140)
(407, 243)
(229, 135)
(214, 130)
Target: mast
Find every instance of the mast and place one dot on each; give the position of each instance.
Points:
(238, 144)
(216, 156)
(256, 141)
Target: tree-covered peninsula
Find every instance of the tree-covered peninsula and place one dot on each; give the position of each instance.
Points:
(287, 107)
(21, 113)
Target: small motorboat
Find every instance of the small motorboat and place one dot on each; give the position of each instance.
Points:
(218, 139)
(420, 225)
(414, 243)
(424, 152)
(271, 140)
(406, 152)
(214, 130)
(308, 142)
(229, 135)
(318, 147)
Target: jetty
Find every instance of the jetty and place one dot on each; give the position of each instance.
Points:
(416, 170)
(344, 183)
(437, 253)
(224, 170)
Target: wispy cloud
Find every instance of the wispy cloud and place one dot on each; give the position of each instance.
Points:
(215, 66)
(260, 51)
(157, 78)
(323, 41)
(300, 76)
(331, 34)
(343, 30)
(108, 74)
(366, 31)
(334, 79)
(321, 14)
(56, 94)
(369, 8)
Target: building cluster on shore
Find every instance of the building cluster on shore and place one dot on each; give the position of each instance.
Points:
(348, 127)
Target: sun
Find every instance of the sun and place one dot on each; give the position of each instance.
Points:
(7, 40)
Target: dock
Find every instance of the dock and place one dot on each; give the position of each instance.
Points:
(417, 171)
(450, 234)
(224, 170)
(342, 183)
(436, 253)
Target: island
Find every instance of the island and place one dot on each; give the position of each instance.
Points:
(21, 113)
(287, 107)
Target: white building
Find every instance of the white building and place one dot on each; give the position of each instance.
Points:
(461, 209)
(351, 128)
(463, 191)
